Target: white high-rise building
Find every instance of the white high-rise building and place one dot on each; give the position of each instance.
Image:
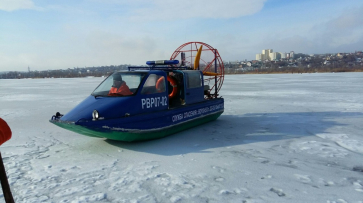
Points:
(266, 54)
(283, 55)
(292, 54)
(259, 57)
(273, 56)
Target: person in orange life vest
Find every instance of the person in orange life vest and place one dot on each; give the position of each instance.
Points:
(119, 86)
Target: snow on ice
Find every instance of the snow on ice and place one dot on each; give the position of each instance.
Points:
(282, 138)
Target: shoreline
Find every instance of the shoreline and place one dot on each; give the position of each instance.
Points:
(293, 72)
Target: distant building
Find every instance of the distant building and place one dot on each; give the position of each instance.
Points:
(265, 55)
(274, 56)
(283, 55)
(259, 57)
(292, 54)
(234, 62)
(268, 54)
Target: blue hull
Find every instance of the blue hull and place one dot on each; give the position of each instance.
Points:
(151, 125)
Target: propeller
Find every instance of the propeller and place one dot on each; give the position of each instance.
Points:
(196, 63)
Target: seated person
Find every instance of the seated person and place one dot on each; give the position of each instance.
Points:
(119, 86)
(160, 85)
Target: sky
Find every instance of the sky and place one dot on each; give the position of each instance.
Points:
(62, 34)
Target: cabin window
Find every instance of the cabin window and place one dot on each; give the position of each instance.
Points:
(119, 84)
(194, 79)
(154, 84)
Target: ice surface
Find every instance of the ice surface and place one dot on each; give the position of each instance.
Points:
(282, 138)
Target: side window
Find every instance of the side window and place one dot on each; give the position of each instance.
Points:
(194, 79)
(154, 84)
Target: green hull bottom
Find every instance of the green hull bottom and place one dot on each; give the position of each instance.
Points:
(139, 136)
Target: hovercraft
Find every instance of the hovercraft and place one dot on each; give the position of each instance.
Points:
(150, 102)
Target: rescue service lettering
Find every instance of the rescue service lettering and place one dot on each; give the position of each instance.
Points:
(154, 102)
(190, 114)
(177, 117)
(196, 112)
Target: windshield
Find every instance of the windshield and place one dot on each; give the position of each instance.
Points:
(119, 84)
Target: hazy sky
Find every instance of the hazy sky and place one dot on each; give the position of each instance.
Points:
(61, 34)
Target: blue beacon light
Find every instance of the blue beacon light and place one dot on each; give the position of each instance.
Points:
(162, 62)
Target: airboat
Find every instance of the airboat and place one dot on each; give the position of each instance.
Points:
(162, 98)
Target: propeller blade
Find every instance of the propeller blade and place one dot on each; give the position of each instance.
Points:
(211, 74)
(197, 58)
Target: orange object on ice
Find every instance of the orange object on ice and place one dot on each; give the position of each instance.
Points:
(5, 132)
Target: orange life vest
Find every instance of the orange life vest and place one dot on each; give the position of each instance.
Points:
(122, 90)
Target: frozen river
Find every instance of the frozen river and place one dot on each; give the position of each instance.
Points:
(282, 138)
